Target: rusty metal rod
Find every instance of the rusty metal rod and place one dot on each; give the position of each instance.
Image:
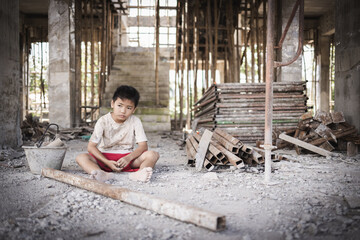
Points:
(269, 87)
(300, 44)
(291, 18)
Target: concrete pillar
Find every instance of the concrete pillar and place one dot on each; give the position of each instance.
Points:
(324, 81)
(347, 58)
(61, 75)
(293, 71)
(10, 81)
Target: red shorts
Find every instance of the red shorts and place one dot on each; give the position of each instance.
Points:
(115, 157)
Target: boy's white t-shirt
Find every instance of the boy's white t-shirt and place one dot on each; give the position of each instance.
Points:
(113, 137)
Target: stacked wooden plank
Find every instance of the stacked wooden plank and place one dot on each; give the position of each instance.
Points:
(328, 131)
(224, 150)
(239, 108)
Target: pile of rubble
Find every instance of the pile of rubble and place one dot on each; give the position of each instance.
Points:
(32, 130)
(325, 132)
(222, 150)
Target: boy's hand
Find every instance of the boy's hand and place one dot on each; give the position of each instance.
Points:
(123, 162)
(113, 165)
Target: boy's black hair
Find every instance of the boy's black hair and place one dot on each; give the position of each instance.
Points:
(127, 92)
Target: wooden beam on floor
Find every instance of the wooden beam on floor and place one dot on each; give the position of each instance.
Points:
(306, 145)
(185, 213)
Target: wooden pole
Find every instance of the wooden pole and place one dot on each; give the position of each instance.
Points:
(264, 40)
(246, 41)
(252, 37)
(103, 50)
(210, 38)
(86, 53)
(109, 44)
(188, 85)
(78, 30)
(178, 15)
(195, 46)
(178, 211)
(182, 63)
(216, 25)
(92, 35)
(157, 52)
(257, 4)
(207, 54)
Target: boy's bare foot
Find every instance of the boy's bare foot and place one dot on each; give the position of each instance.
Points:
(142, 175)
(101, 176)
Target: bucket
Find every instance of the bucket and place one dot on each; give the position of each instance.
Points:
(46, 157)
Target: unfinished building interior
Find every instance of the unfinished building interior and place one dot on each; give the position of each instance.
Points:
(257, 74)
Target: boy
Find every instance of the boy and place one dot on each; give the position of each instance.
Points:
(111, 144)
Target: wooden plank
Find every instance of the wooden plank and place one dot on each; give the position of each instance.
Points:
(178, 211)
(352, 149)
(203, 147)
(305, 145)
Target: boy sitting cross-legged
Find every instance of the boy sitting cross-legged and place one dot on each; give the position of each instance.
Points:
(111, 146)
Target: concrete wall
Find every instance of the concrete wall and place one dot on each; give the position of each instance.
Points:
(10, 82)
(347, 60)
(59, 63)
(293, 71)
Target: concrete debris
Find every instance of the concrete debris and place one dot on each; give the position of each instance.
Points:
(210, 176)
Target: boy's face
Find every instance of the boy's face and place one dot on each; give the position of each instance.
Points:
(122, 109)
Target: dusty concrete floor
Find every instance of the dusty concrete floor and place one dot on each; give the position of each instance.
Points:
(314, 198)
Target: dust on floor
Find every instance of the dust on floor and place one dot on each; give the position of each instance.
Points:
(314, 198)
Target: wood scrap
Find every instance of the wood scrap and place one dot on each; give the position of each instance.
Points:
(306, 145)
(206, 219)
(324, 130)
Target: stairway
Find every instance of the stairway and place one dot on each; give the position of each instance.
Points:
(136, 68)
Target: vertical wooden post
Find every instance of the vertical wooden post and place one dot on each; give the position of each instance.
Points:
(99, 56)
(246, 41)
(257, 3)
(188, 86)
(207, 52)
(210, 36)
(138, 22)
(92, 54)
(204, 80)
(86, 53)
(252, 37)
(157, 25)
(237, 79)
(225, 66)
(178, 15)
(103, 50)
(216, 24)
(78, 30)
(182, 63)
(109, 42)
(195, 46)
(264, 39)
